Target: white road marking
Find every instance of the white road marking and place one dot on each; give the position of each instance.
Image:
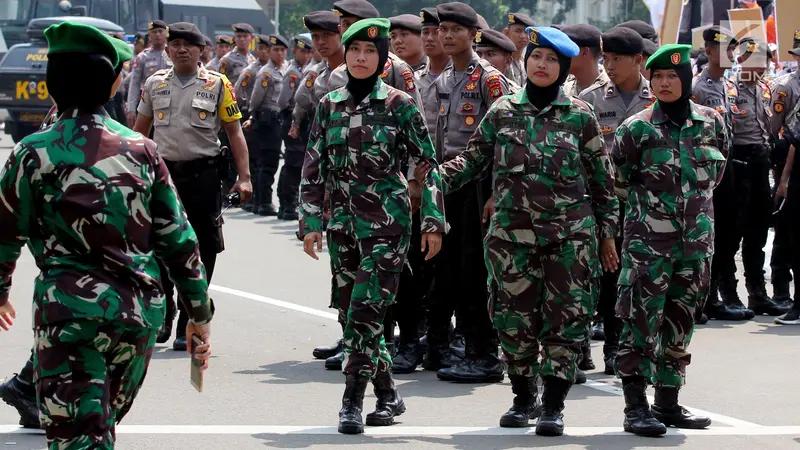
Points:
(411, 431)
(591, 384)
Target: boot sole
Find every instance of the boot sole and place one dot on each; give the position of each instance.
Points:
(379, 422)
(323, 354)
(351, 429)
(549, 430)
(482, 380)
(333, 367)
(688, 426)
(646, 433)
(509, 423)
(403, 371)
(19, 407)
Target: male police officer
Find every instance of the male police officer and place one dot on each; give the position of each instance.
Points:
(405, 36)
(222, 47)
(232, 64)
(515, 30)
(147, 63)
(187, 105)
(585, 71)
(498, 50)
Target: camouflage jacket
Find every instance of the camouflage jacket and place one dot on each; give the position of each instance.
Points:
(95, 205)
(671, 173)
(361, 149)
(553, 177)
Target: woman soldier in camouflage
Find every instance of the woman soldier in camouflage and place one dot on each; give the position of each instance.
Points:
(553, 188)
(361, 139)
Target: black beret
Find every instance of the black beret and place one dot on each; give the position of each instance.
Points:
(243, 28)
(186, 31)
(622, 40)
(645, 30)
(408, 22)
(482, 23)
(649, 47)
(322, 20)
(457, 12)
(719, 35)
(429, 17)
(584, 35)
(356, 8)
(209, 43)
(492, 38)
(224, 39)
(156, 24)
(138, 37)
(520, 19)
(262, 39)
(278, 40)
(303, 42)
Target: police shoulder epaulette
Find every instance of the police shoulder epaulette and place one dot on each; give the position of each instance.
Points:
(581, 104)
(160, 72)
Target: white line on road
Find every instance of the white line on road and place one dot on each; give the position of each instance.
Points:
(411, 431)
(733, 422)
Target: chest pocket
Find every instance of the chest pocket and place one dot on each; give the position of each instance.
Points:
(561, 157)
(203, 113)
(336, 143)
(467, 113)
(657, 165)
(378, 155)
(706, 163)
(161, 110)
(511, 152)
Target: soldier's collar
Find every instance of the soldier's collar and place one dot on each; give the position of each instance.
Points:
(379, 92)
(521, 98)
(659, 117)
(611, 90)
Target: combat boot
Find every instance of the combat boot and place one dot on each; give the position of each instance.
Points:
(639, 419)
(609, 355)
(781, 295)
(586, 356)
(580, 376)
(389, 404)
(551, 421)
(326, 351)
(526, 403)
(19, 392)
(716, 309)
(407, 358)
(335, 362)
(730, 297)
(667, 410)
(759, 301)
(477, 367)
(350, 420)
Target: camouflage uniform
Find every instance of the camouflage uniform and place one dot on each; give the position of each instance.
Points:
(553, 188)
(97, 306)
(361, 148)
(669, 236)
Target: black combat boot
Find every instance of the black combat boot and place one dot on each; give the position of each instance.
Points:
(730, 297)
(759, 301)
(350, 420)
(326, 351)
(407, 359)
(716, 309)
(639, 419)
(477, 367)
(389, 404)
(586, 356)
(667, 410)
(335, 362)
(526, 403)
(609, 355)
(551, 421)
(781, 295)
(580, 376)
(20, 393)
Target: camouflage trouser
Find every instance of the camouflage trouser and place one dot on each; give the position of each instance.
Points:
(367, 275)
(544, 296)
(657, 301)
(88, 372)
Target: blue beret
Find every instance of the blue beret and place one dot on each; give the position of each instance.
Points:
(550, 37)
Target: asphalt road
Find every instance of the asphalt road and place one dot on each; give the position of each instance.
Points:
(264, 390)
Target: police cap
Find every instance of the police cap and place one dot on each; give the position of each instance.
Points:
(262, 39)
(276, 40)
(645, 30)
(584, 35)
(224, 39)
(622, 40)
(408, 22)
(719, 35)
(302, 42)
(322, 20)
(429, 17)
(356, 8)
(186, 31)
(457, 12)
(492, 38)
(156, 25)
(796, 40)
(243, 28)
(520, 19)
(138, 37)
(208, 41)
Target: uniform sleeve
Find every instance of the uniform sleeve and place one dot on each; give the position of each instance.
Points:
(16, 199)
(242, 87)
(229, 109)
(600, 177)
(135, 85)
(418, 142)
(288, 86)
(408, 84)
(262, 82)
(176, 245)
(780, 99)
(472, 163)
(725, 140)
(494, 87)
(304, 103)
(146, 102)
(312, 185)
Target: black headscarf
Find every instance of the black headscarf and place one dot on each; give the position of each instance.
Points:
(679, 110)
(540, 97)
(95, 80)
(359, 89)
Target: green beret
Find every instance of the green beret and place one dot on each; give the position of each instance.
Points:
(669, 57)
(70, 37)
(367, 30)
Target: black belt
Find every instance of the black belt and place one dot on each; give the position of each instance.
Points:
(177, 168)
(744, 153)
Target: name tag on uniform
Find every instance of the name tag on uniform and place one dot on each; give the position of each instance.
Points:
(339, 122)
(378, 119)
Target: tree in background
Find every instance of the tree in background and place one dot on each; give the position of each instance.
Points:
(628, 10)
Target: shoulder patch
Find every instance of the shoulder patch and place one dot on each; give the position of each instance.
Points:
(494, 85)
(408, 77)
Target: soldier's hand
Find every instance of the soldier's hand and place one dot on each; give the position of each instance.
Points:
(608, 255)
(433, 243)
(294, 132)
(247, 125)
(781, 191)
(203, 351)
(488, 210)
(131, 118)
(422, 170)
(415, 192)
(245, 189)
(308, 244)
(7, 316)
